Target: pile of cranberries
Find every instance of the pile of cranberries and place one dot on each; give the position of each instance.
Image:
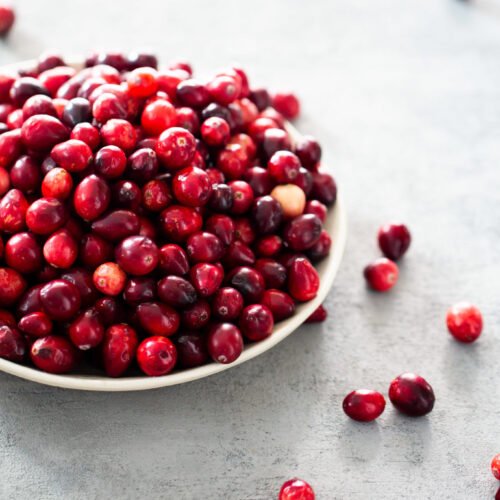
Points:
(150, 218)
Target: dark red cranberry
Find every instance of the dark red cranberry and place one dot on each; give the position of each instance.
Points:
(394, 240)
(192, 93)
(42, 133)
(274, 140)
(238, 254)
(303, 280)
(118, 349)
(317, 208)
(309, 151)
(72, 155)
(221, 199)
(303, 232)
(324, 188)
(53, 354)
(91, 198)
(215, 110)
(215, 131)
(126, 194)
(82, 279)
(86, 133)
(204, 247)
(267, 214)
(142, 59)
(25, 87)
(12, 344)
(36, 324)
(45, 216)
(120, 133)
(109, 278)
(176, 147)
(13, 208)
(7, 18)
(157, 318)
(12, 286)
(114, 59)
(142, 165)
(191, 350)
(256, 322)
(381, 274)
(249, 282)
(188, 119)
(273, 272)
(287, 104)
(137, 255)
(191, 186)
(57, 183)
(94, 250)
(224, 89)
(139, 290)
(222, 226)
(269, 246)
(38, 105)
(156, 356)
(280, 304)
(232, 161)
(60, 250)
(11, 146)
(117, 225)
(173, 260)
(86, 331)
(60, 299)
(23, 253)
(304, 181)
(244, 231)
(176, 291)
(206, 278)
(364, 405)
(30, 301)
(242, 197)
(179, 222)
(225, 343)
(77, 111)
(464, 322)
(110, 310)
(260, 180)
(158, 116)
(110, 162)
(318, 316)
(196, 316)
(412, 395)
(49, 60)
(261, 98)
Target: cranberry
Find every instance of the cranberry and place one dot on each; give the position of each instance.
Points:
(12, 344)
(82, 279)
(142, 165)
(249, 282)
(95, 250)
(221, 199)
(86, 331)
(91, 198)
(12, 286)
(268, 246)
(120, 133)
(30, 301)
(381, 274)
(280, 304)
(126, 194)
(109, 278)
(157, 318)
(176, 291)
(364, 405)
(179, 222)
(186, 118)
(155, 195)
(242, 197)
(227, 303)
(7, 18)
(4, 181)
(296, 489)
(118, 349)
(196, 316)
(54, 78)
(224, 89)
(23, 253)
(110, 310)
(215, 110)
(42, 132)
(275, 140)
(394, 240)
(141, 59)
(309, 151)
(169, 79)
(173, 260)
(260, 180)
(303, 280)
(142, 82)
(36, 324)
(324, 188)
(72, 155)
(317, 208)
(412, 395)
(215, 131)
(191, 350)
(287, 104)
(267, 214)
(176, 147)
(60, 299)
(60, 249)
(57, 183)
(45, 216)
(495, 466)
(158, 116)
(256, 322)
(192, 93)
(238, 254)
(303, 232)
(114, 59)
(117, 225)
(156, 356)
(38, 105)
(464, 322)
(53, 354)
(204, 247)
(76, 111)
(86, 133)
(261, 98)
(225, 343)
(137, 255)
(25, 87)
(110, 162)
(273, 272)
(15, 119)
(222, 226)
(232, 161)
(215, 175)
(318, 316)
(192, 187)
(206, 278)
(283, 166)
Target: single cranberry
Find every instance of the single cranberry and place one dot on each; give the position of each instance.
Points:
(173, 260)
(60, 299)
(158, 116)
(60, 250)
(260, 180)
(381, 274)
(110, 310)
(53, 354)
(256, 322)
(36, 324)
(12, 344)
(191, 350)
(168, 79)
(110, 162)
(181, 66)
(137, 255)
(23, 253)
(287, 104)
(15, 120)
(155, 195)
(57, 183)
(142, 165)
(142, 82)
(464, 322)
(179, 222)
(49, 60)
(126, 194)
(191, 186)
(109, 278)
(118, 349)
(280, 304)
(296, 489)
(196, 316)
(42, 132)
(156, 356)
(38, 105)
(249, 282)
(176, 291)
(224, 89)
(138, 290)
(242, 197)
(120, 133)
(114, 59)
(188, 119)
(94, 250)
(91, 198)
(267, 214)
(11, 145)
(204, 247)
(142, 59)
(192, 93)
(82, 279)
(206, 278)
(291, 198)
(317, 208)
(215, 131)
(25, 87)
(257, 128)
(227, 304)
(176, 147)
(77, 111)
(30, 301)
(269, 246)
(7, 18)
(232, 161)
(225, 343)
(495, 466)
(324, 188)
(364, 405)
(4, 181)
(303, 280)
(275, 140)
(215, 110)
(72, 155)
(304, 181)
(238, 254)
(309, 151)
(222, 226)
(86, 133)
(12, 286)
(221, 198)
(283, 166)
(117, 225)
(86, 331)
(45, 215)
(246, 142)
(412, 395)
(394, 240)
(53, 79)
(157, 318)
(318, 316)
(273, 272)
(13, 209)
(261, 98)
(303, 232)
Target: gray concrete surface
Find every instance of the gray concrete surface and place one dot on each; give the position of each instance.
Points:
(405, 97)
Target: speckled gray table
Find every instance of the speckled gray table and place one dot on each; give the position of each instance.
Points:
(405, 97)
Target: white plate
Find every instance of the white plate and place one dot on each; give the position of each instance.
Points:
(336, 225)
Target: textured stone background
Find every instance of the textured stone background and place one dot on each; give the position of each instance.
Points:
(405, 97)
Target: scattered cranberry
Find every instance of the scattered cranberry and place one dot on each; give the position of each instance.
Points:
(364, 405)
(296, 489)
(412, 395)
(7, 18)
(495, 466)
(394, 240)
(318, 316)
(156, 356)
(464, 322)
(381, 274)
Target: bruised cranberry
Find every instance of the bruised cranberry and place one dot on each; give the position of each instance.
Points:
(204, 247)
(23, 253)
(206, 278)
(110, 162)
(11, 146)
(53, 354)
(94, 250)
(364, 405)
(60, 250)
(12, 286)
(303, 280)
(249, 282)
(91, 198)
(256, 322)
(57, 183)
(495, 466)
(86, 331)
(324, 188)
(13, 208)
(42, 132)
(176, 147)
(118, 349)
(156, 356)
(260, 180)
(192, 187)
(191, 350)
(394, 240)
(381, 274)
(176, 291)
(225, 343)
(267, 214)
(296, 489)
(464, 322)
(279, 303)
(45, 215)
(412, 395)
(137, 255)
(179, 222)
(318, 316)
(117, 225)
(109, 278)
(158, 116)
(196, 316)
(287, 104)
(36, 324)
(157, 318)
(273, 272)
(12, 344)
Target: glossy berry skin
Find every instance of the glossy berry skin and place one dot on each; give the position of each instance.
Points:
(117, 225)
(43, 132)
(7, 18)
(36, 324)
(156, 356)
(137, 255)
(158, 116)
(179, 222)
(13, 209)
(206, 278)
(191, 186)
(191, 350)
(176, 291)
(173, 260)
(227, 303)
(464, 322)
(109, 278)
(12, 344)
(60, 299)
(303, 280)
(309, 151)
(86, 331)
(53, 354)
(284, 167)
(91, 198)
(204, 247)
(119, 133)
(196, 316)
(57, 183)
(364, 405)
(296, 489)
(302, 232)
(157, 318)
(381, 275)
(318, 316)
(45, 215)
(256, 322)
(215, 131)
(324, 188)
(495, 466)
(394, 240)
(279, 303)
(118, 349)
(225, 343)
(110, 162)
(412, 395)
(23, 253)
(176, 147)
(267, 214)
(142, 82)
(61, 250)
(249, 282)
(242, 197)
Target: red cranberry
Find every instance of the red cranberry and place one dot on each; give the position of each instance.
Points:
(283, 166)
(86, 331)
(11, 146)
(118, 349)
(139, 290)
(108, 106)
(249, 282)
(30, 301)
(137, 255)
(188, 119)
(126, 194)
(15, 119)
(260, 180)
(4, 181)
(324, 188)
(156, 195)
(394, 240)
(173, 260)
(7, 18)
(215, 131)
(42, 132)
(495, 466)
(176, 291)
(38, 105)
(222, 226)
(232, 161)
(464, 322)
(169, 79)
(267, 214)
(25, 174)
(256, 322)
(287, 104)
(317, 208)
(381, 274)
(157, 318)
(142, 82)
(221, 199)
(110, 162)
(227, 304)
(242, 197)
(23, 253)
(192, 187)
(273, 272)
(53, 354)
(261, 98)
(192, 93)
(13, 208)
(303, 280)
(109, 278)
(12, 344)
(275, 140)
(204, 247)
(258, 127)
(412, 395)
(7, 318)
(176, 147)
(54, 78)
(120, 133)
(156, 356)
(303, 232)
(91, 198)
(117, 225)
(12, 286)
(244, 231)
(268, 246)
(206, 278)
(142, 165)
(60, 299)
(238, 254)
(158, 116)
(60, 250)
(279, 303)
(95, 250)
(72, 155)
(25, 87)
(225, 343)
(318, 316)
(179, 222)
(57, 183)
(309, 151)
(196, 316)
(36, 324)
(191, 350)
(364, 405)
(86, 133)
(224, 89)
(82, 279)
(246, 142)
(45, 216)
